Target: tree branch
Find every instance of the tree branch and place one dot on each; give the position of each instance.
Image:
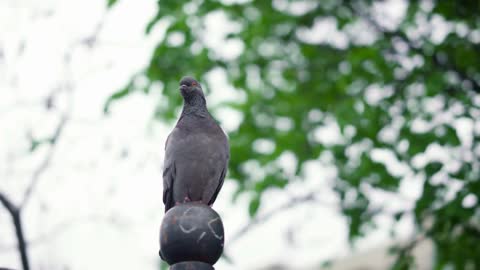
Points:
(46, 161)
(7, 203)
(15, 214)
(16, 211)
(58, 229)
(22, 244)
(89, 41)
(405, 251)
(257, 220)
(293, 202)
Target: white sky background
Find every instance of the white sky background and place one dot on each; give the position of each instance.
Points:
(99, 206)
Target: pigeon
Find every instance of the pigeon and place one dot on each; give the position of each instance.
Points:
(196, 152)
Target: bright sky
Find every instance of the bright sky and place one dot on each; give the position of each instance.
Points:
(98, 205)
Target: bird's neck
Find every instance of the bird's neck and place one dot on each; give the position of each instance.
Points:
(195, 105)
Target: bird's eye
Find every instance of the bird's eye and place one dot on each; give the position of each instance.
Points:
(194, 84)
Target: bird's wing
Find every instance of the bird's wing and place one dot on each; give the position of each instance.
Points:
(169, 170)
(166, 142)
(219, 186)
(168, 178)
(224, 167)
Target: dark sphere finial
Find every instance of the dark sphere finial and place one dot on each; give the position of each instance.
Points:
(191, 232)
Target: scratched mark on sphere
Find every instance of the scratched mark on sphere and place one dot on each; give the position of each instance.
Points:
(201, 236)
(187, 211)
(186, 230)
(212, 230)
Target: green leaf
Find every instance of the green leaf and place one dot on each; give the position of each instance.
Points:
(426, 201)
(463, 172)
(451, 137)
(117, 95)
(432, 168)
(398, 216)
(354, 215)
(404, 262)
(110, 3)
(254, 205)
(418, 142)
(164, 265)
(327, 264)
(34, 144)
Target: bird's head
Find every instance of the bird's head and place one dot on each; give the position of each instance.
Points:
(189, 88)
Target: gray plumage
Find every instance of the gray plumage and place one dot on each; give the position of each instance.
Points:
(196, 152)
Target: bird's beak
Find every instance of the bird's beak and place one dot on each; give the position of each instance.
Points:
(183, 87)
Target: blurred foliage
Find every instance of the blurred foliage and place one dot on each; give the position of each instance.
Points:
(395, 86)
(163, 265)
